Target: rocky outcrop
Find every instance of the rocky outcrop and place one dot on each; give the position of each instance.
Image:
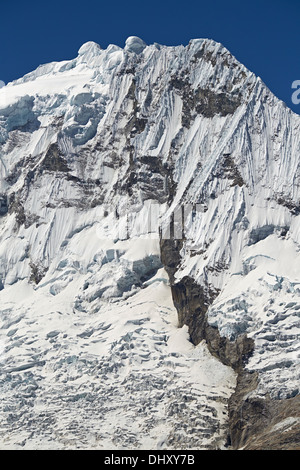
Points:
(254, 423)
(262, 423)
(3, 205)
(53, 160)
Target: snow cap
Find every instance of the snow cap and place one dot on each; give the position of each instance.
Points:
(135, 44)
(90, 47)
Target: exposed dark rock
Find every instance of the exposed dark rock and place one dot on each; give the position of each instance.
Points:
(151, 177)
(251, 419)
(37, 273)
(203, 101)
(192, 301)
(170, 255)
(3, 204)
(258, 423)
(209, 103)
(53, 160)
(231, 171)
(15, 206)
(27, 162)
(292, 206)
(136, 123)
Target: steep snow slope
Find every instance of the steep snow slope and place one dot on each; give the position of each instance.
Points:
(123, 377)
(102, 158)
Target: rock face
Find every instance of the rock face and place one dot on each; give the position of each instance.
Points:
(149, 253)
(255, 423)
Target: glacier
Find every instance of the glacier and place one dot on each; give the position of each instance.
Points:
(149, 253)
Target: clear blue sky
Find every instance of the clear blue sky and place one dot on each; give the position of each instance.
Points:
(262, 34)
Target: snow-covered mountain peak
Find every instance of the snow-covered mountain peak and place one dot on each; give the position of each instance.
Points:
(132, 181)
(135, 44)
(89, 47)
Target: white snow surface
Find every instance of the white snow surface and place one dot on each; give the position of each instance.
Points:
(121, 376)
(91, 354)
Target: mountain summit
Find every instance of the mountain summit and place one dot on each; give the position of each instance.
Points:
(149, 253)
